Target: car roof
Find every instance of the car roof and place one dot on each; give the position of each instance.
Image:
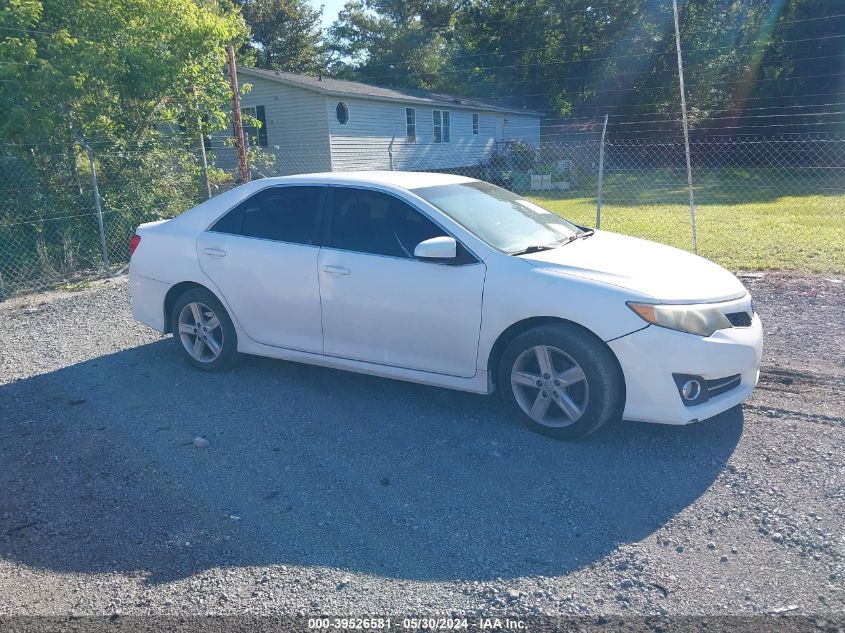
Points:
(402, 179)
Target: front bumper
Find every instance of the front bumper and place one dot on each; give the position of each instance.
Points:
(650, 356)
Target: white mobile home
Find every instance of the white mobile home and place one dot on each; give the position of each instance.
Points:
(323, 124)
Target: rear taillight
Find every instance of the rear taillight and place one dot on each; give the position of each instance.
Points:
(133, 242)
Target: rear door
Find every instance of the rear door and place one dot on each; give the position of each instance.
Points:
(380, 303)
(263, 257)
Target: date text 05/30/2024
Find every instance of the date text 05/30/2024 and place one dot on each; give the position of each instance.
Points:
(418, 624)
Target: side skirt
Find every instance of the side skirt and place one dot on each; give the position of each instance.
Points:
(477, 384)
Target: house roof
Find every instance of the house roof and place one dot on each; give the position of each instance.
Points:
(341, 87)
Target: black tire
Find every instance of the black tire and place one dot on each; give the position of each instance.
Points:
(229, 345)
(603, 382)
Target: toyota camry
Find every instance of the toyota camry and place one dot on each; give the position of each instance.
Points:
(453, 282)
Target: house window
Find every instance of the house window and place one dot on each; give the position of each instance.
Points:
(411, 125)
(342, 113)
(442, 126)
(255, 136)
(475, 123)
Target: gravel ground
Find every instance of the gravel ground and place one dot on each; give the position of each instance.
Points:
(329, 492)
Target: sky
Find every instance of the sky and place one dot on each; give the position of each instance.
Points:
(330, 10)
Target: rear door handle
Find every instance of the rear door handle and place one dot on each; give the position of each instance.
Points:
(337, 271)
(214, 252)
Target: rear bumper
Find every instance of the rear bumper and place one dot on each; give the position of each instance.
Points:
(147, 300)
(650, 356)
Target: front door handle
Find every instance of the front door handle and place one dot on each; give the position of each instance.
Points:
(214, 252)
(337, 271)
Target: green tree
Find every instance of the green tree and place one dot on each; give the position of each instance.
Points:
(394, 42)
(580, 58)
(110, 72)
(286, 34)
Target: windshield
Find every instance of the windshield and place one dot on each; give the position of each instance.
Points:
(501, 218)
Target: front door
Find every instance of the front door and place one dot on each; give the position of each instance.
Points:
(380, 304)
(263, 256)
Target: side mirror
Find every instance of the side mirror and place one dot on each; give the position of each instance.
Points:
(437, 248)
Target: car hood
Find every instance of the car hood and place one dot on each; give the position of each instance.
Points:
(656, 270)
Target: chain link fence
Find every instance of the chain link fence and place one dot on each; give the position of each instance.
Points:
(761, 202)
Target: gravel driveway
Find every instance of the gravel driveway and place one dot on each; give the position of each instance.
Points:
(325, 491)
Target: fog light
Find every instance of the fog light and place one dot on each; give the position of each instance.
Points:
(691, 390)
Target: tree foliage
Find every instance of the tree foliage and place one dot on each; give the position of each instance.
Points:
(286, 33)
(584, 58)
(109, 73)
(391, 41)
(109, 69)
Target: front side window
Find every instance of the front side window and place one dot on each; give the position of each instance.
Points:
(411, 125)
(500, 218)
(377, 223)
(283, 214)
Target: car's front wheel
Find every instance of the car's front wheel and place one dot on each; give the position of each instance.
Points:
(560, 381)
(204, 331)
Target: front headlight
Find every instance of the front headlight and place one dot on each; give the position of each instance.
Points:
(694, 319)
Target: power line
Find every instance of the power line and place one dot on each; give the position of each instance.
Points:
(657, 103)
(525, 17)
(555, 48)
(563, 79)
(608, 108)
(651, 88)
(707, 118)
(18, 30)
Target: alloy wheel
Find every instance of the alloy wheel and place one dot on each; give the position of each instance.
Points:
(550, 386)
(200, 332)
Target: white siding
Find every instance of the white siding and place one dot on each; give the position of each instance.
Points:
(304, 135)
(363, 142)
(522, 127)
(297, 132)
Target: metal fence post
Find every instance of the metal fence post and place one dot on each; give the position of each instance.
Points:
(99, 210)
(205, 188)
(601, 174)
(686, 126)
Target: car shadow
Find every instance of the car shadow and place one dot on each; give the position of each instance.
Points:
(312, 466)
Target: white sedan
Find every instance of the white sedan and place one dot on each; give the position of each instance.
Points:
(453, 282)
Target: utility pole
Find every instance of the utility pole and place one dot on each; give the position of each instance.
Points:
(243, 169)
(686, 126)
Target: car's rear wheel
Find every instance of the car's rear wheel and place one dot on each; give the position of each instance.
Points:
(560, 381)
(204, 331)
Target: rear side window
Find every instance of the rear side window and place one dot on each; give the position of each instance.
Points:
(377, 223)
(282, 214)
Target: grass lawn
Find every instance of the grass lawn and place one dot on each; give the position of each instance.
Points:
(747, 219)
